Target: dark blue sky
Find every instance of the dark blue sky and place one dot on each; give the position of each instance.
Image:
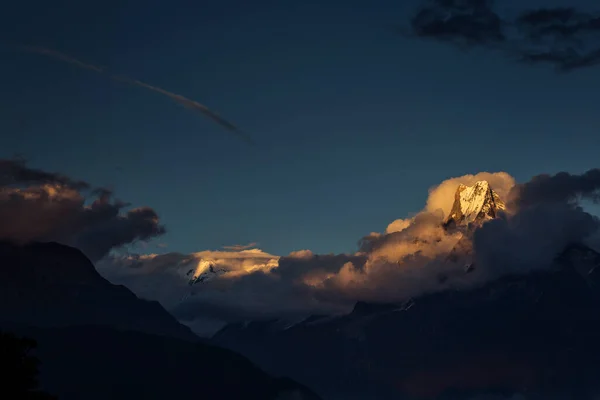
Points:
(353, 122)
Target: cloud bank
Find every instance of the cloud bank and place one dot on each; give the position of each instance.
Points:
(41, 206)
(409, 259)
(209, 288)
(563, 37)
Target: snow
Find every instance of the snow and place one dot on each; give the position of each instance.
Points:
(475, 203)
(472, 199)
(211, 265)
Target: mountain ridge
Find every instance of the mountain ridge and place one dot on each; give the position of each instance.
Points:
(474, 204)
(551, 313)
(543, 323)
(50, 284)
(97, 340)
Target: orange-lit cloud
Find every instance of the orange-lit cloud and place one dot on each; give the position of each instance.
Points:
(301, 254)
(409, 259)
(237, 283)
(400, 263)
(442, 195)
(41, 206)
(398, 225)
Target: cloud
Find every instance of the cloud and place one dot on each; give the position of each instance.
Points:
(398, 225)
(547, 218)
(40, 206)
(170, 277)
(15, 172)
(403, 262)
(184, 101)
(532, 238)
(564, 37)
(238, 247)
(465, 22)
(562, 187)
(301, 254)
(411, 258)
(442, 196)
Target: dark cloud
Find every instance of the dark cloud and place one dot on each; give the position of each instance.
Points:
(562, 187)
(532, 238)
(560, 24)
(40, 206)
(557, 23)
(564, 60)
(546, 218)
(98, 238)
(240, 247)
(262, 294)
(565, 38)
(252, 297)
(294, 268)
(285, 290)
(468, 22)
(16, 172)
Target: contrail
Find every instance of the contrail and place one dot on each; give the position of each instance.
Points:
(184, 101)
(188, 103)
(62, 57)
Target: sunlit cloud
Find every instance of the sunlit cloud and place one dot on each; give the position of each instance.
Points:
(40, 206)
(411, 257)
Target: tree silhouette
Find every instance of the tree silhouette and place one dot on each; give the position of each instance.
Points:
(19, 369)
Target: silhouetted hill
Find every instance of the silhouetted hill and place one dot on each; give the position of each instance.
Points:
(97, 340)
(102, 363)
(536, 333)
(49, 284)
(19, 369)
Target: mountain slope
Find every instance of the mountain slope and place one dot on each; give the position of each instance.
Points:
(97, 363)
(97, 340)
(48, 284)
(544, 326)
(475, 204)
(534, 333)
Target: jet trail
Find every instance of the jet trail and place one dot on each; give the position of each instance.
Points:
(62, 57)
(189, 104)
(184, 101)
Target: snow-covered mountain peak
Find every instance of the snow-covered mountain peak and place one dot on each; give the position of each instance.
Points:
(211, 265)
(475, 203)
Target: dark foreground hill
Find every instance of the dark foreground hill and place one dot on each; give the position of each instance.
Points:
(52, 285)
(103, 363)
(96, 340)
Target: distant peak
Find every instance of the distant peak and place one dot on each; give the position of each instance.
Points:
(475, 203)
(479, 184)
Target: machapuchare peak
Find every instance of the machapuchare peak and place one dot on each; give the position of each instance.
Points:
(475, 204)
